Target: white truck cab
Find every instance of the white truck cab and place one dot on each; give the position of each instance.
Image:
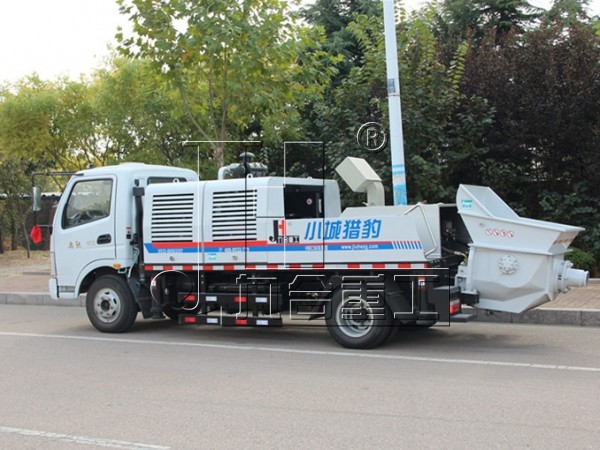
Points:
(94, 224)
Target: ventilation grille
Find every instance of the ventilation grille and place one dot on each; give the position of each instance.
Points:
(234, 216)
(172, 218)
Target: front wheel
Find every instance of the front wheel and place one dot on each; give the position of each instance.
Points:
(110, 305)
(355, 322)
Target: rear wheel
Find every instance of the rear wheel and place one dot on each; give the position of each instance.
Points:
(355, 322)
(110, 305)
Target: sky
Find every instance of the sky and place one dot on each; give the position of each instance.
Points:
(71, 37)
(55, 37)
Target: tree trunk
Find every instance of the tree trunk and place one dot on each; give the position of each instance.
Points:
(14, 241)
(27, 244)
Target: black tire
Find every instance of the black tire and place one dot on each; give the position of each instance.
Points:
(355, 323)
(110, 304)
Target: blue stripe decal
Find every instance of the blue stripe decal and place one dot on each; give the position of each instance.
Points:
(151, 249)
(317, 246)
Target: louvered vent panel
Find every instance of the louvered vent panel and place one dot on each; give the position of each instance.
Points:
(172, 218)
(234, 216)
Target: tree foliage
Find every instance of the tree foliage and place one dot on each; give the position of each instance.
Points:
(141, 116)
(442, 126)
(14, 207)
(237, 66)
(41, 120)
(459, 19)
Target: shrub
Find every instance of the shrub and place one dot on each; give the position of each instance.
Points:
(582, 260)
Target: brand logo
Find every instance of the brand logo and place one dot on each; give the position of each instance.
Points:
(371, 136)
(280, 235)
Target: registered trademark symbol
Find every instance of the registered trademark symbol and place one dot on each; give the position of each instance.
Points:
(371, 136)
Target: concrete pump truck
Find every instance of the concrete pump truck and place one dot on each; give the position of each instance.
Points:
(250, 250)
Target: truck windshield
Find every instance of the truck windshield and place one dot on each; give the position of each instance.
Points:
(89, 201)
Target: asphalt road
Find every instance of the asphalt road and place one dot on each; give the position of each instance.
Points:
(63, 385)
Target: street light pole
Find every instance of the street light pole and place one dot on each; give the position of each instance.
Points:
(395, 110)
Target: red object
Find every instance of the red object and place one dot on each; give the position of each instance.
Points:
(454, 306)
(36, 234)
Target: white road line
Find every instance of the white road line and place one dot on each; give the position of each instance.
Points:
(81, 439)
(370, 354)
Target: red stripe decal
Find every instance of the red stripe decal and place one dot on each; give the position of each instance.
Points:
(238, 299)
(241, 321)
(379, 266)
(251, 267)
(189, 320)
(272, 266)
(404, 266)
(176, 244)
(353, 266)
(228, 267)
(167, 267)
(241, 243)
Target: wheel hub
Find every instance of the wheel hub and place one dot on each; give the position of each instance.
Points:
(355, 317)
(107, 305)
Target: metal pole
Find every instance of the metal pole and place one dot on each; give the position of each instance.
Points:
(395, 111)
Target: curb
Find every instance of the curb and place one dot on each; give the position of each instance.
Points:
(37, 298)
(542, 316)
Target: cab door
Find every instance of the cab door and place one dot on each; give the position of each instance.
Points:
(84, 231)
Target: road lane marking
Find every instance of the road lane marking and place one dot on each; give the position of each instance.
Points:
(357, 354)
(81, 439)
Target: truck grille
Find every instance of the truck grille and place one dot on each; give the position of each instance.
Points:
(172, 218)
(234, 216)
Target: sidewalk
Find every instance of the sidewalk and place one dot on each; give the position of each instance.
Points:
(580, 306)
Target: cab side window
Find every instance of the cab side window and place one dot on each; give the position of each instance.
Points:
(89, 201)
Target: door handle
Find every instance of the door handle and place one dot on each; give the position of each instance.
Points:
(104, 239)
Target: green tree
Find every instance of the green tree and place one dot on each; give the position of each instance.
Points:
(459, 19)
(568, 12)
(51, 122)
(442, 127)
(241, 68)
(15, 206)
(542, 146)
(334, 16)
(141, 116)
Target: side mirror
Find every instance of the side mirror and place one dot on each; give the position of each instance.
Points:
(37, 198)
